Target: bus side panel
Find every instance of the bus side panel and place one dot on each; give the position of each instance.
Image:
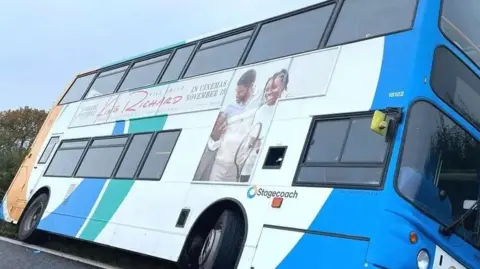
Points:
(317, 251)
(16, 196)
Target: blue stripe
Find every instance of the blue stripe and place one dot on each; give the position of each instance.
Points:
(69, 217)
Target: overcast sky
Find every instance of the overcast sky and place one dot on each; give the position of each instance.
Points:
(46, 42)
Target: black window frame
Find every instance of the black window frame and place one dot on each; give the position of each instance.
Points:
(195, 45)
(128, 65)
(256, 26)
(142, 159)
(447, 102)
(337, 4)
(89, 146)
(398, 164)
(142, 59)
(45, 149)
(149, 149)
(94, 73)
(341, 2)
(451, 42)
(306, 146)
(87, 139)
(200, 43)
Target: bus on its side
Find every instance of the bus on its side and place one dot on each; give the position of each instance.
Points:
(341, 135)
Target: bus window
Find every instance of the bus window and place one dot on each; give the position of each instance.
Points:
(66, 158)
(144, 73)
(133, 156)
(361, 19)
(48, 149)
(158, 156)
(343, 152)
(101, 157)
(219, 54)
(439, 166)
(459, 23)
(78, 89)
(294, 34)
(456, 84)
(106, 82)
(177, 64)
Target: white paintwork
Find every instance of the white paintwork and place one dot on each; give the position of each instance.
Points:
(336, 80)
(448, 262)
(274, 246)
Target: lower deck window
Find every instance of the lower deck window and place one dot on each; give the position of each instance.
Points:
(102, 157)
(159, 154)
(66, 158)
(343, 151)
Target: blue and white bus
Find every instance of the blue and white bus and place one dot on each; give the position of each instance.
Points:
(341, 135)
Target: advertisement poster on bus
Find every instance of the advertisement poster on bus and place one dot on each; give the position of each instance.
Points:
(242, 123)
(186, 96)
(138, 104)
(94, 111)
(196, 94)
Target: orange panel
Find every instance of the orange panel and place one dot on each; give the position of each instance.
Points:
(17, 193)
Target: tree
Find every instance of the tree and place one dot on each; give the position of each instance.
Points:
(18, 129)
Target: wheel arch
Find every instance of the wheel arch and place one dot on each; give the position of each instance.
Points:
(214, 210)
(42, 190)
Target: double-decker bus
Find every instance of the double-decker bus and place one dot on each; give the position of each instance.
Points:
(341, 135)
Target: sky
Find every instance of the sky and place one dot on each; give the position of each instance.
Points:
(45, 43)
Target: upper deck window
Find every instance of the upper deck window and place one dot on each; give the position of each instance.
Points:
(361, 19)
(177, 63)
(106, 82)
(144, 73)
(219, 54)
(459, 22)
(343, 151)
(77, 90)
(456, 85)
(294, 34)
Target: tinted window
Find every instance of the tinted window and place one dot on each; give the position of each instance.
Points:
(74, 144)
(101, 158)
(456, 84)
(106, 82)
(439, 155)
(134, 155)
(290, 35)
(66, 159)
(359, 138)
(326, 146)
(219, 54)
(177, 64)
(343, 151)
(360, 19)
(144, 73)
(48, 149)
(158, 156)
(78, 89)
(460, 22)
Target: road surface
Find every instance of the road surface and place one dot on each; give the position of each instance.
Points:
(14, 256)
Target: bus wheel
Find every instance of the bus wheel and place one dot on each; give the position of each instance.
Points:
(221, 245)
(31, 218)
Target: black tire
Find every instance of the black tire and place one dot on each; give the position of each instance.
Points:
(31, 218)
(220, 247)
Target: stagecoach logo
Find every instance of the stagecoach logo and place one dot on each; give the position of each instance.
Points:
(254, 191)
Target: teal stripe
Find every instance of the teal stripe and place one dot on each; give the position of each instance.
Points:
(145, 54)
(117, 190)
